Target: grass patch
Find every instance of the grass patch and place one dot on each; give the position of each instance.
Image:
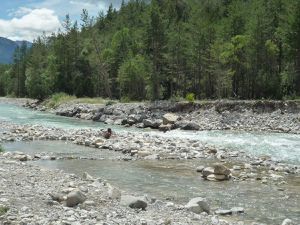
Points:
(60, 98)
(57, 99)
(3, 210)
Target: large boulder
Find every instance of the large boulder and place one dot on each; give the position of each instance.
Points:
(207, 171)
(198, 205)
(152, 123)
(190, 126)
(220, 169)
(74, 198)
(169, 118)
(218, 172)
(133, 202)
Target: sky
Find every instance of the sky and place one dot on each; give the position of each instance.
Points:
(27, 19)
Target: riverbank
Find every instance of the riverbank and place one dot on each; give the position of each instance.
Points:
(266, 115)
(254, 115)
(33, 195)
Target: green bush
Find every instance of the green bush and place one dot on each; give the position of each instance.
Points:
(190, 97)
(125, 99)
(1, 149)
(3, 210)
(110, 102)
(57, 99)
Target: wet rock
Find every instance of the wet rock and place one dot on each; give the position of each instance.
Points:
(152, 123)
(152, 157)
(190, 126)
(220, 169)
(169, 118)
(199, 169)
(198, 205)
(223, 212)
(288, 222)
(133, 202)
(237, 210)
(207, 171)
(217, 177)
(74, 198)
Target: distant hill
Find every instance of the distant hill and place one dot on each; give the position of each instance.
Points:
(7, 48)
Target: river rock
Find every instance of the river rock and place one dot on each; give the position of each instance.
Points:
(21, 158)
(288, 222)
(207, 171)
(199, 169)
(223, 212)
(190, 126)
(169, 118)
(133, 202)
(143, 153)
(113, 192)
(152, 157)
(220, 169)
(217, 177)
(237, 210)
(236, 167)
(87, 176)
(74, 198)
(198, 205)
(57, 197)
(152, 123)
(165, 128)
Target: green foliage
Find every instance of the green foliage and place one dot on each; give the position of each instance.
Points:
(190, 97)
(1, 148)
(110, 102)
(133, 77)
(3, 210)
(161, 49)
(57, 99)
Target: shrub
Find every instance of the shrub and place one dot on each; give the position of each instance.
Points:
(110, 102)
(1, 149)
(3, 210)
(190, 97)
(57, 99)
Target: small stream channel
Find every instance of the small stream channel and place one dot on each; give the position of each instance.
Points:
(174, 180)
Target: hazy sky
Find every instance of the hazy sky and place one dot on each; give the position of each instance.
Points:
(25, 20)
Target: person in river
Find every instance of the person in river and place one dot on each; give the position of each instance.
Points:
(107, 134)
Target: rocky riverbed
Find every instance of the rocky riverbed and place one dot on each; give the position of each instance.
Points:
(99, 202)
(276, 116)
(32, 195)
(143, 146)
(52, 190)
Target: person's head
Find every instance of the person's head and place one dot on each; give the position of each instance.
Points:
(109, 130)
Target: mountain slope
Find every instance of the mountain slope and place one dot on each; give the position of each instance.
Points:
(7, 48)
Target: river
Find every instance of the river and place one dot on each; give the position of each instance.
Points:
(175, 180)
